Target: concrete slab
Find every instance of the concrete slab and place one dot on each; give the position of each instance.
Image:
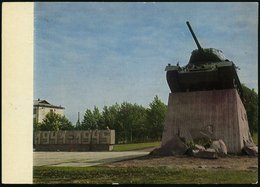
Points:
(82, 159)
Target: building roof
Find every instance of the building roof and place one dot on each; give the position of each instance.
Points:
(44, 103)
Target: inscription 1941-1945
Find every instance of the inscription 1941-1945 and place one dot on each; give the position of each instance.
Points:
(74, 140)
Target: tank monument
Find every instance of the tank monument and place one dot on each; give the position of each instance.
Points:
(205, 103)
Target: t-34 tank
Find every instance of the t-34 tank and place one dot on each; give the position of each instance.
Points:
(207, 69)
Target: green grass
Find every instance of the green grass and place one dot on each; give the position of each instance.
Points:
(138, 146)
(135, 146)
(140, 175)
(255, 138)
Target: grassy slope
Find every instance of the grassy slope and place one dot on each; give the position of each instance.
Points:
(140, 175)
(135, 146)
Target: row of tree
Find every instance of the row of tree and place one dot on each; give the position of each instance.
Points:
(132, 122)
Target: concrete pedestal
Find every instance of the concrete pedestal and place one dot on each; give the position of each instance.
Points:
(73, 148)
(218, 113)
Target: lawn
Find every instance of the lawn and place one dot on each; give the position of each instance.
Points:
(140, 175)
(135, 146)
(138, 146)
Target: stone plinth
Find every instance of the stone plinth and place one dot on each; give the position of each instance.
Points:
(219, 114)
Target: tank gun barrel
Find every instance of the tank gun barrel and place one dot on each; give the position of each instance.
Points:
(194, 37)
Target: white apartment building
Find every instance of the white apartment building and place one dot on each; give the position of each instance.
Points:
(43, 107)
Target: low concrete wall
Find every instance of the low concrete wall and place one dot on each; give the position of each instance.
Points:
(96, 140)
(221, 113)
(73, 147)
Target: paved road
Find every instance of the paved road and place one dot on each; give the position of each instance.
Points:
(82, 159)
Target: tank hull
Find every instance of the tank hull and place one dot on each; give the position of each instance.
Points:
(218, 78)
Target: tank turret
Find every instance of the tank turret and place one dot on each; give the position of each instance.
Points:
(207, 69)
(208, 55)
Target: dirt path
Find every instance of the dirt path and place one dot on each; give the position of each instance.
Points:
(229, 162)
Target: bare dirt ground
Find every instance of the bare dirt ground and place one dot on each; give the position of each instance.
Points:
(232, 162)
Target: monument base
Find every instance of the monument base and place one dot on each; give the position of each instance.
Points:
(73, 148)
(219, 114)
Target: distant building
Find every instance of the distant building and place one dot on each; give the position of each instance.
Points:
(43, 107)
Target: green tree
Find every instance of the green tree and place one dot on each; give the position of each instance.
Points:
(36, 126)
(111, 119)
(92, 120)
(155, 118)
(131, 122)
(99, 121)
(110, 116)
(138, 130)
(88, 122)
(125, 120)
(250, 100)
(65, 124)
(55, 122)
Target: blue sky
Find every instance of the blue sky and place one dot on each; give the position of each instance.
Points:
(96, 54)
